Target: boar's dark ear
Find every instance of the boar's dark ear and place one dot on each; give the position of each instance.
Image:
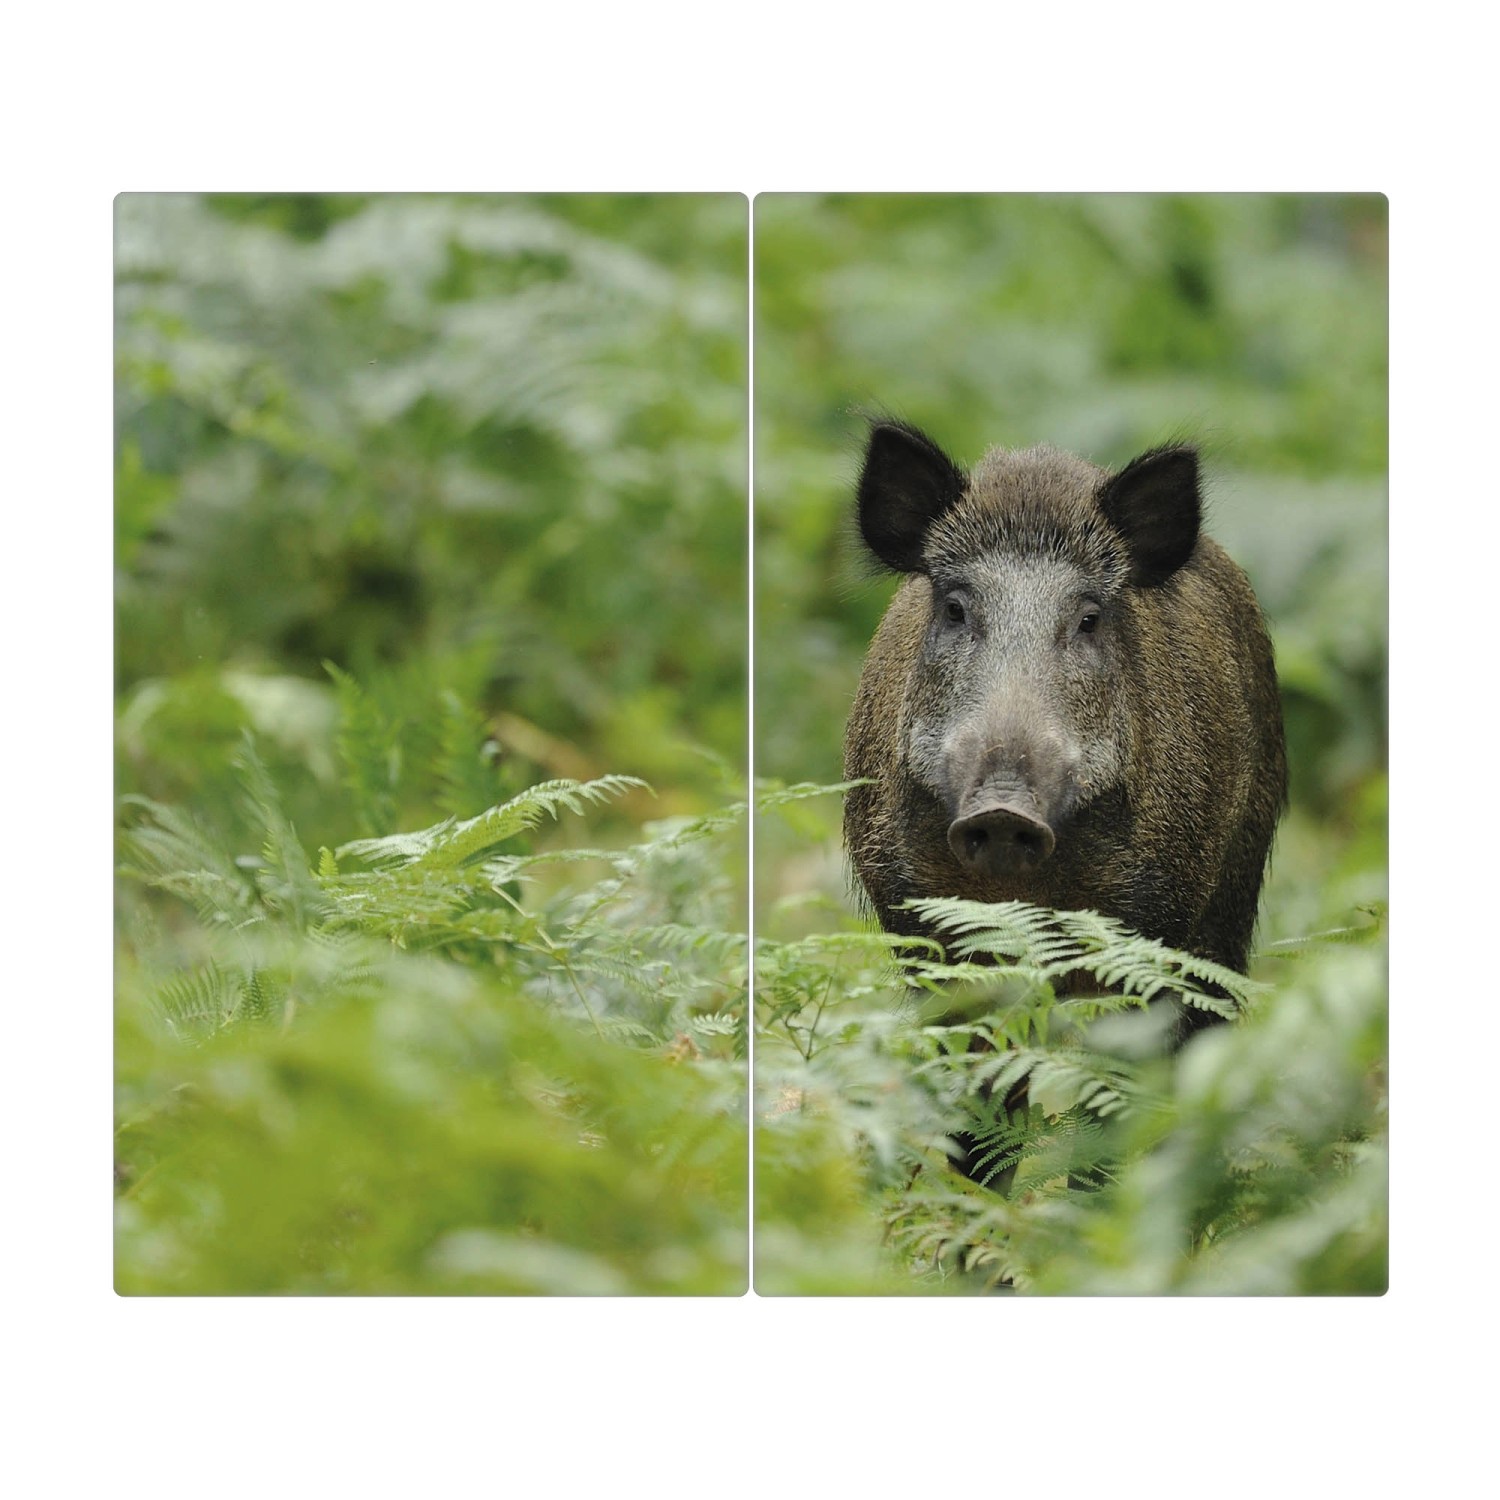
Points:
(1153, 503)
(906, 483)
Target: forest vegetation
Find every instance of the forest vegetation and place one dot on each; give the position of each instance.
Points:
(432, 940)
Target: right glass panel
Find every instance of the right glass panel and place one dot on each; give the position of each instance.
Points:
(1070, 582)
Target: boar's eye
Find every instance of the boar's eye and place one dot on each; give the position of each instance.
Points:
(1090, 621)
(953, 610)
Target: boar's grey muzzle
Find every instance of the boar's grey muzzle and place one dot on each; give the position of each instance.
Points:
(1000, 840)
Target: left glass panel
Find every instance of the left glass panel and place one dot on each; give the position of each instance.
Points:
(430, 744)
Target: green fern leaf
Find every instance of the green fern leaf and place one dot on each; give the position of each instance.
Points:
(451, 845)
(369, 752)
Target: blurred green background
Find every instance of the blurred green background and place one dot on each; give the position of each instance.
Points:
(1254, 325)
(489, 446)
(421, 501)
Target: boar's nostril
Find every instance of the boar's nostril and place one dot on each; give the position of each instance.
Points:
(1000, 841)
(969, 845)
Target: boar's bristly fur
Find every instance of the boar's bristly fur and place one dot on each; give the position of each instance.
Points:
(1071, 699)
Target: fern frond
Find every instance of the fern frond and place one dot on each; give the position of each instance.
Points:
(965, 1232)
(368, 751)
(1058, 944)
(199, 1002)
(462, 766)
(644, 978)
(769, 794)
(623, 1026)
(505, 868)
(385, 902)
(670, 835)
(721, 1023)
(450, 845)
(723, 950)
(174, 853)
(286, 880)
(263, 996)
(1297, 947)
(817, 945)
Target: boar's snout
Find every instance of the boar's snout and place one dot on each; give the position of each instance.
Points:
(1000, 840)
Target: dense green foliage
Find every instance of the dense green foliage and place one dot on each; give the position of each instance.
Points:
(491, 448)
(1255, 1164)
(431, 962)
(1254, 325)
(388, 1073)
(430, 513)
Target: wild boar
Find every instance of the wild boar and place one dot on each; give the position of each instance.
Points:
(1071, 699)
